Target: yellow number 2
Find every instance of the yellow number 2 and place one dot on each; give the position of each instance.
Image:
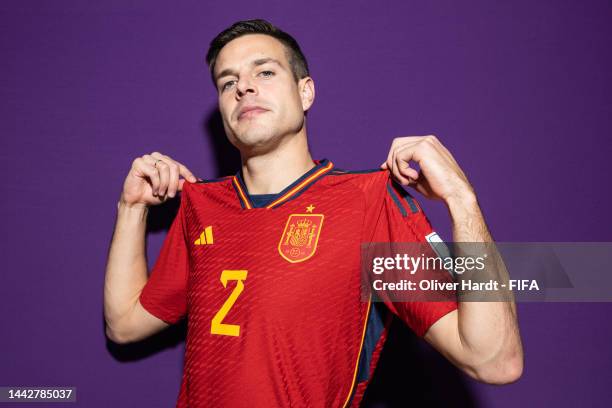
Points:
(216, 327)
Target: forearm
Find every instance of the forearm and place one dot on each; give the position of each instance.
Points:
(488, 331)
(126, 269)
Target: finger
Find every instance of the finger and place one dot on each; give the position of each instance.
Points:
(407, 171)
(186, 173)
(173, 174)
(403, 157)
(401, 162)
(395, 170)
(391, 162)
(143, 168)
(174, 179)
(183, 171)
(152, 163)
(164, 177)
(397, 173)
(164, 173)
(176, 170)
(387, 164)
(399, 143)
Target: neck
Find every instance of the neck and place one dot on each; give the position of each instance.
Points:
(271, 172)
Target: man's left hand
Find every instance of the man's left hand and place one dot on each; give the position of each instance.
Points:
(439, 178)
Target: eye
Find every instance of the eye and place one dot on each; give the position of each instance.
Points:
(226, 85)
(267, 74)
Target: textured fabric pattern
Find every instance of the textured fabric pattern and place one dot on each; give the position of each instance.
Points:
(301, 323)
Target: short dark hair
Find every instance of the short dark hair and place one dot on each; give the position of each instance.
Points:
(297, 60)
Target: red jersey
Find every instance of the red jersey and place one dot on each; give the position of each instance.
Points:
(273, 294)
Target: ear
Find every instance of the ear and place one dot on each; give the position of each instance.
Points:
(307, 92)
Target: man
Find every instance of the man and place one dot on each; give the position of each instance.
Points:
(265, 264)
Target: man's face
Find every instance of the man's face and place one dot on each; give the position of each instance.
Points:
(259, 100)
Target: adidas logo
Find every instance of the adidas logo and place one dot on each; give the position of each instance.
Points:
(206, 237)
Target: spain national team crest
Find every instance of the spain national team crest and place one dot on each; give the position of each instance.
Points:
(300, 237)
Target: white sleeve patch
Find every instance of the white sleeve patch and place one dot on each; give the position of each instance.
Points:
(439, 247)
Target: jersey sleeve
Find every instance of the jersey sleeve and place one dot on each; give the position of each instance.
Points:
(165, 293)
(398, 217)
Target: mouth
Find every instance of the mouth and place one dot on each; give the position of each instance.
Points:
(251, 112)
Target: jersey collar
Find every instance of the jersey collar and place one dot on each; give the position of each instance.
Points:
(290, 192)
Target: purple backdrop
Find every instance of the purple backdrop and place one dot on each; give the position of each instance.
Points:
(519, 92)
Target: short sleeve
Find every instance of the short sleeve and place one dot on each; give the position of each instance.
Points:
(165, 293)
(400, 218)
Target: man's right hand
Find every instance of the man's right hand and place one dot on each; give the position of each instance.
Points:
(152, 179)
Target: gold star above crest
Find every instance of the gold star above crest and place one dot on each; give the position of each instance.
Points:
(310, 208)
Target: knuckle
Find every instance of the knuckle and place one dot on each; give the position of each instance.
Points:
(426, 143)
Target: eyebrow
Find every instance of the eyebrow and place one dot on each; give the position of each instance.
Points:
(254, 63)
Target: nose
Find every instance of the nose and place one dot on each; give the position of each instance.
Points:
(244, 86)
